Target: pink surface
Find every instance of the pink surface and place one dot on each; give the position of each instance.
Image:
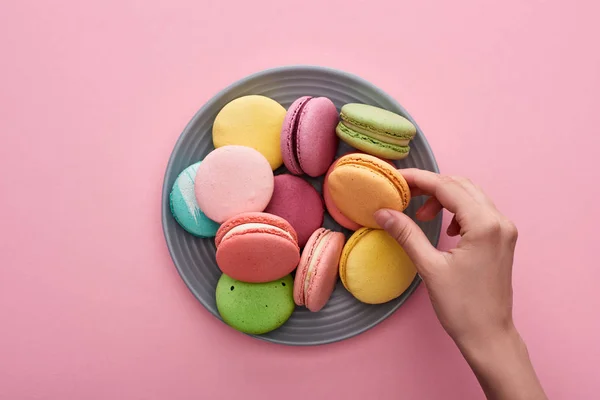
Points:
(299, 203)
(94, 95)
(233, 180)
(324, 273)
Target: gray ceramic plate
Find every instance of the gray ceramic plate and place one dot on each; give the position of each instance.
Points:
(343, 316)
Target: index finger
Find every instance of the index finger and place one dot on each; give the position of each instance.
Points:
(451, 195)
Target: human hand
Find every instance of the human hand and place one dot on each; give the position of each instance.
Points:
(470, 286)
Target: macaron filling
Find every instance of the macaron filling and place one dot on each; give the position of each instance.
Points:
(320, 245)
(294, 132)
(256, 226)
(400, 140)
(341, 128)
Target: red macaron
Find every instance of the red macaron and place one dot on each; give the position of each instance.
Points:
(299, 203)
(257, 247)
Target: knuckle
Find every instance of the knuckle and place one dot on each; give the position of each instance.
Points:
(402, 233)
(491, 228)
(510, 231)
(447, 179)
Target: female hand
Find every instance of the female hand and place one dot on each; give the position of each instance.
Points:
(470, 286)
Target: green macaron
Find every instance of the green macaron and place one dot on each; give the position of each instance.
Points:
(375, 131)
(255, 308)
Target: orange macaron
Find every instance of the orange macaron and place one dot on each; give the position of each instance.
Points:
(361, 184)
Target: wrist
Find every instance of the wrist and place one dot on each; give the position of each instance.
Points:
(490, 343)
(501, 363)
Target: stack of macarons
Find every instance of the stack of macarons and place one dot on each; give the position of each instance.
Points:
(265, 227)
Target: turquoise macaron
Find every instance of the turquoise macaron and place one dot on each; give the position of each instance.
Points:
(185, 208)
(375, 131)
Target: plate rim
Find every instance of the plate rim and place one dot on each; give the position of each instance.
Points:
(288, 69)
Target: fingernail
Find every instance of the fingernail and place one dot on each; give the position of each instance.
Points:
(383, 218)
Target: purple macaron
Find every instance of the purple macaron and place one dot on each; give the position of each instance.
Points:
(308, 139)
(296, 201)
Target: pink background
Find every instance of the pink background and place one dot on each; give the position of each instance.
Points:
(93, 98)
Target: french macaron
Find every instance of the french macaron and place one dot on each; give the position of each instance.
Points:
(255, 308)
(308, 139)
(184, 206)
(318, 269)
(253, 121)
(374, 268)
(361, 184)
(298, 202)
(335, 213)
(257, 247)
(375, 131)
(233, 180)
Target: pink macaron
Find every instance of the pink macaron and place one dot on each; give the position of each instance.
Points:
(233, 180)
(308, 139)
(318, 269)
(257, 247)
(299, 203)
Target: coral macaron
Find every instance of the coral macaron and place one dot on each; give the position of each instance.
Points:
(308, 138)
(257, 247)
(318, 269)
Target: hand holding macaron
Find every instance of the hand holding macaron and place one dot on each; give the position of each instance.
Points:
(470, 286)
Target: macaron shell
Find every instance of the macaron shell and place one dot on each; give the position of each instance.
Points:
(323, 279)
(374, 267)
(184, 207)
(379, 120)
(302, 269)
(299, 203)
(253, 121)
(233, 180)
(255, 217)
(255, 308)
(288, 140)
(371, 145)
(332, 209)
(361, 184)
(257, 256)
(316, 141)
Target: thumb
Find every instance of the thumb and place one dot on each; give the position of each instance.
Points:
(412, 239)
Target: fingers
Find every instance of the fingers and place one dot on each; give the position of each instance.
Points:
(454, 228)
(447, 190)
(429, 210)
(411, 238)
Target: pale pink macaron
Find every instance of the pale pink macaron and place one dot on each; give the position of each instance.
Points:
(308, 139)
(257, 247)
(318, 269)
(233, 180)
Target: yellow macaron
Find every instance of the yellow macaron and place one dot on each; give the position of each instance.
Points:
(252, 121)
(361, 184)
(374, 268)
